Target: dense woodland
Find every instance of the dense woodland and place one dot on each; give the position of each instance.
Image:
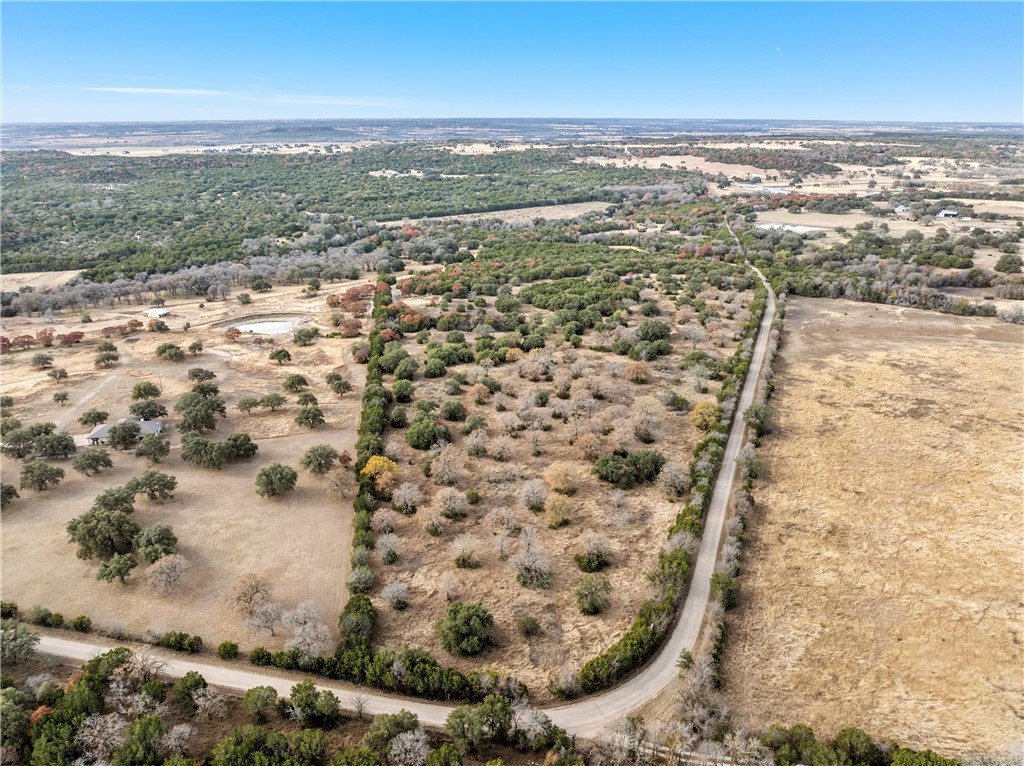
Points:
(130, 215)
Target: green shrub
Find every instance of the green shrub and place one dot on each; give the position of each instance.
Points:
(528, 625)
(592, 594)
(227, 650)
(464, 631)
(453, 410)
(425, 433)
(641, 467)
(403, 391)
(726, 589)
(259, 702)
(181, 642)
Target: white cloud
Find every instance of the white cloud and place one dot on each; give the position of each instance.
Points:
(272, 98)
(286, 98)
(163, 91)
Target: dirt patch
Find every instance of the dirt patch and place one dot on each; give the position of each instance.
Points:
(897, 226)
(482, 147)
(687, 161)
(39, 280)
(883, 571)
(526, 214)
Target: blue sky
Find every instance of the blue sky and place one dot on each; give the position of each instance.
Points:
(71, 62)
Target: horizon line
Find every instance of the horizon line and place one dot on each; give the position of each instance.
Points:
(859, 121)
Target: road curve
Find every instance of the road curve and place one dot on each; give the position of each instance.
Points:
(592, 715)
(587, 717)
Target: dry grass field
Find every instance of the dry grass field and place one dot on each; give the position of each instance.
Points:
(39, 280)
(883, 571)
(635, 527)
(300, 542)
(897, 227)
(526, 214)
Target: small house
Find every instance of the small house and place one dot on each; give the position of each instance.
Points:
(157, 313)
(900, 209)
(99, 434)
(947, 213)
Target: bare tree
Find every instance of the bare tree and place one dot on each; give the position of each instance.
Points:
(729, 557)
(645, 427)
(388, 548)
(406, 498)
(178, 738)
(536, 441)
(533, 494)
(248, 593)
(529, 723)
(595, 550)
(99, 736)
(145, 667)
(590, 446)
(466, 551)
(451, 504)
(562, 381)
(596, 387)
(700, 375)
(617, 499)
(510, 424)
(310, 635)
(503, 544)
(568, 683)
(674, 479)
(476, 443)
(501, 448)
(34, 683)
(448, 466)
(700, 707)
(359, 701)
(532, 562)
(434, 524)
(384, 521)
(450, 586)
(695, 334)
(685, 540)
(409, 748)
(396, 595)
(209, 703)
(166, 573)
(266, 616)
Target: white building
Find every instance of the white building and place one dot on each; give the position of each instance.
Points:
(158, 313)
(99, 434)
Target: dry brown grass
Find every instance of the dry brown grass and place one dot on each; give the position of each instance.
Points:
(300, 542)
(39, 280)
(636, 533)
(883, 571)
(529, 213)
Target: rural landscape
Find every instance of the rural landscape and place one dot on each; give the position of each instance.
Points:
(574, 442)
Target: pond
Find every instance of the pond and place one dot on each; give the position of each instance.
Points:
(791, 227)
(272, 327)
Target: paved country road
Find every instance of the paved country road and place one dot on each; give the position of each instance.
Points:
(587, 717)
